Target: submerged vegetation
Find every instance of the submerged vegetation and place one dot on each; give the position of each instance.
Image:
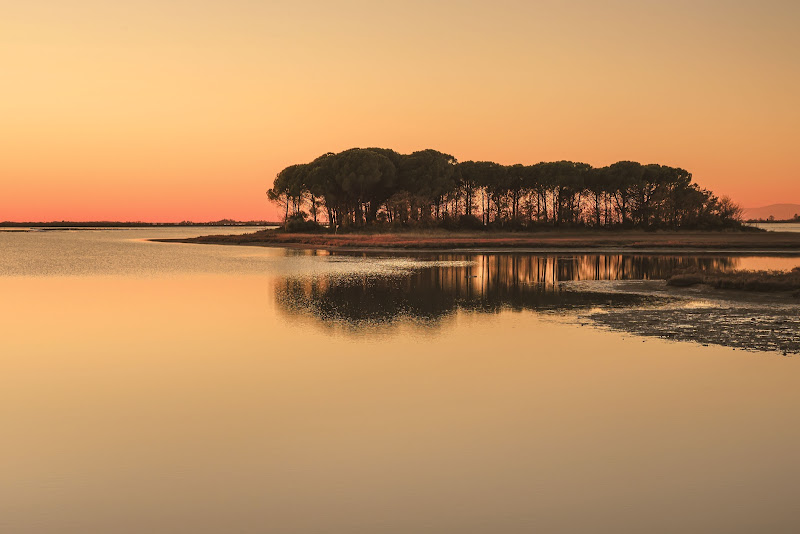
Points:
(378, 187)
(742, 280)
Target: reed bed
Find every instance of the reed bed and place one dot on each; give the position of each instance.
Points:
(765, 281)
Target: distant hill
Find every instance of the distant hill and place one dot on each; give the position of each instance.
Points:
(779, 211)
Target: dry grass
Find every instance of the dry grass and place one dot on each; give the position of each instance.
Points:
(567, 239)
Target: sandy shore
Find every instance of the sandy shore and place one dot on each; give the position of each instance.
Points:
(753, 242)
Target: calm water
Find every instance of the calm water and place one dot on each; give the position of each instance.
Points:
(152, 387)
(779, 227)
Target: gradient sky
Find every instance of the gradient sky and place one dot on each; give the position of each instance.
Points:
(165, 110)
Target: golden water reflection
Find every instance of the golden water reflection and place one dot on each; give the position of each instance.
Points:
(441, 284)
(166, 389)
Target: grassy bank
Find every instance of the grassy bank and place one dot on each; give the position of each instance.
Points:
(767, 281)
(786, 242)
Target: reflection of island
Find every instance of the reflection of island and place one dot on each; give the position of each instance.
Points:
(485, 283)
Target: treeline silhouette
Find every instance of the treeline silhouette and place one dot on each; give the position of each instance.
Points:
(381, 187)
(486, 283)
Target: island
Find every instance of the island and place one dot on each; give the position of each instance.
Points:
(378, 199)
(366, 198)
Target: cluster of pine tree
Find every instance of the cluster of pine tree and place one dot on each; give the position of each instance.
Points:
(377, 186)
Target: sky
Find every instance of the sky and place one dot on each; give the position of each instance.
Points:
(170, 110)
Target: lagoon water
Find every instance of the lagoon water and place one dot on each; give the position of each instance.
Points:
(154, 387)
(778, 227)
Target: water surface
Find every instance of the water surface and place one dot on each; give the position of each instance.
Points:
(778, 227)
(153, 387)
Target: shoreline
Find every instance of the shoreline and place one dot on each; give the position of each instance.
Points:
(771, 243)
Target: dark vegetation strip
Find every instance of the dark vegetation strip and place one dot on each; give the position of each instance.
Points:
(772, 220)
(767, 281)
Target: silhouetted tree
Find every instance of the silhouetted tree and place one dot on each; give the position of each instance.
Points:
(360, 187)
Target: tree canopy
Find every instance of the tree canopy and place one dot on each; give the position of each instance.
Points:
(378, 186)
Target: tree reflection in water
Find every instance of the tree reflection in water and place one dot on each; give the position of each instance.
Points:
(480, 282)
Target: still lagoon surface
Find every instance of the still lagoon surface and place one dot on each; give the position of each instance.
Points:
(165, 388)
(778, 227)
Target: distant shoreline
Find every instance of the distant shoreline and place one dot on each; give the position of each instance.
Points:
(563, 241)
(772, 221)
(129, 224)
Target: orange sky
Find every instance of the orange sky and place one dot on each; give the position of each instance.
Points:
(165, 110)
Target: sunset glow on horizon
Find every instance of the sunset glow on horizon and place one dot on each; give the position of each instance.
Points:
(177, 110)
